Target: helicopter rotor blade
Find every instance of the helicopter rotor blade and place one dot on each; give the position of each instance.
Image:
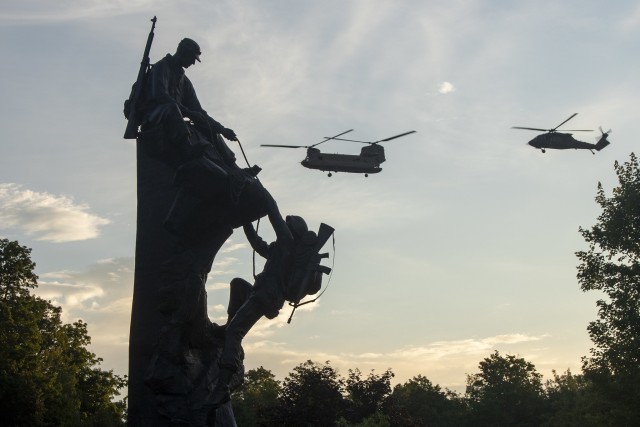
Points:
(571, 117)
(327, 138)
(353, 140)
(538, 129)
(283, 146)
(578, 130)
(396, 136)
(375, 142)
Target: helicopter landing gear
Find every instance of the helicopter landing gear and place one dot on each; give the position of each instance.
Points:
(329, 174)
(543, 150)
(366, 175)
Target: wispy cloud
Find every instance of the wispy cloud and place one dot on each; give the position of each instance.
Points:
(55, 218)
(233, 247)
(98, 290)
(446, 87)
(72, 296)
(444, 362)
(100, 295)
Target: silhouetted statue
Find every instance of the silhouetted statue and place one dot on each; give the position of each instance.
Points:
(170, 99)
(191, 195)
(292, 271)
(176, 130)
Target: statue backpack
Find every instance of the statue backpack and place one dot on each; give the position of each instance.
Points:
(305, 273)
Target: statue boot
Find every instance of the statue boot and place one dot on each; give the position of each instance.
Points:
(221, 393)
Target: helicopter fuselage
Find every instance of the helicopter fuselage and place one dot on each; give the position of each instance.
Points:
(565, 141)
(368, 161)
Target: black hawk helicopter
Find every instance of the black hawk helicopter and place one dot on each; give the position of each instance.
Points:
(368, 161)
(563, 141)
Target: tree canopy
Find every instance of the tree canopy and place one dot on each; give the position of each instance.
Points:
(611, 265)
(47, 375)
(507, 391)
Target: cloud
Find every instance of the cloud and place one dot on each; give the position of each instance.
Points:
(102, 289)
(446, 349)
(71, 296)
(47, 216)
(444, 362)
(233, 247)
(101, 296)
(446, 87)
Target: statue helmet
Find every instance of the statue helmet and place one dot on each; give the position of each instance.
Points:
(297, 226)
(190, 47)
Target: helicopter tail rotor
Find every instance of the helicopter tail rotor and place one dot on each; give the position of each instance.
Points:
(602, 141)
(603, 132)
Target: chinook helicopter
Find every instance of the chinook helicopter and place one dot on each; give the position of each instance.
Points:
(563, 141)
(368, 161)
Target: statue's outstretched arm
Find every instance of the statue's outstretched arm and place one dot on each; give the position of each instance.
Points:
(277, 222)
(256, 242)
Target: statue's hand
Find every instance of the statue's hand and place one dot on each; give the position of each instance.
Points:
(229, 134)
(253, 170)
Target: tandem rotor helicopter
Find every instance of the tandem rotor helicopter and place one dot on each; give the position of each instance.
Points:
(563, 141)
(368, 161)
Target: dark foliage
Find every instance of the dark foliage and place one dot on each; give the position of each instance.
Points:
(365, 396)
(507, 391)
(418, 402)
(256, 401)
(611, 265)
(312, 395)
(47, 375)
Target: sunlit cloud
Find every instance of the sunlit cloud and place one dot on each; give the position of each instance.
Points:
(100, 295)
(446, 87)
(233, 247)
(444, 362)
(71, 296)
(216, 286)
(47, 216)
(104, 287)
(442, 349)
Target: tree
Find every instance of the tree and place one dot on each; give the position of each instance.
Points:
(16, 270)
(377, 419)
(256, 398)
(47, 376)
(366, 396)
(311, 396)
(507, 391)
(419, 402)
(612, 265)
(568, 401)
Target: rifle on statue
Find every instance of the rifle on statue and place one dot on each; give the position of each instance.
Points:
(131, 104)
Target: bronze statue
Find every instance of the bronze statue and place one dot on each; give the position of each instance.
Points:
(292, 271)
(191, 195)
(170, 98)
(190, 192)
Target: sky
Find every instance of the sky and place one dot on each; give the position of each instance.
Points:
(464, 243)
